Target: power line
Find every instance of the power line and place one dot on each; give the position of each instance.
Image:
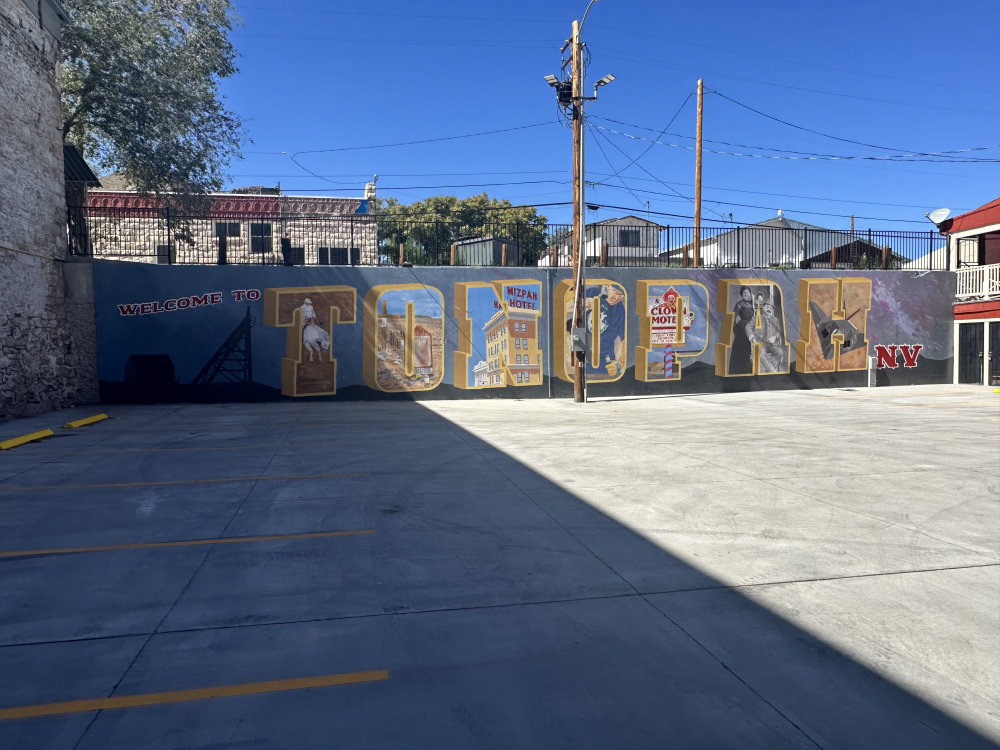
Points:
(847, 140)
(426, 140)
(788, 195)
(657, 179)
(776, 208)
(788, 150)
(406, 143)
(896, 158)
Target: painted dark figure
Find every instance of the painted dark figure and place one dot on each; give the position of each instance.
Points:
(744, 316)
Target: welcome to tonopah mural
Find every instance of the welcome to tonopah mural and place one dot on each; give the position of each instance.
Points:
(243, 333)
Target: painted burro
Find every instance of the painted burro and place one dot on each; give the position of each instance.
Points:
(348, 333)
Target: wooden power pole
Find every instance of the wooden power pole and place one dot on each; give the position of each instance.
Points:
(579, 372)
(697, 177)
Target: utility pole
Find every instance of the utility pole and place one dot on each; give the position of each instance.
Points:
(579, 370)
(569, 94)
(697, 177)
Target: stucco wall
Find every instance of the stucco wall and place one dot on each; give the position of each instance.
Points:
(47, 354)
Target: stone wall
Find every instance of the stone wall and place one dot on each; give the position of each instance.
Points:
(47, 342)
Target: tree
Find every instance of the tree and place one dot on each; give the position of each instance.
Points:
(428, 228)
(140, 90)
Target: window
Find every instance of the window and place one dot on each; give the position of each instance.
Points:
(628, 237)
(260, 237)
(520, 377)
(517, 343)
(227, 229)
(524, 343)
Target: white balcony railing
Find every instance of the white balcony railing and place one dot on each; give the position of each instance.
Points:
(979, 282)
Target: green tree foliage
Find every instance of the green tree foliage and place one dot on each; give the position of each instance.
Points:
(428, 228)
(140, 90)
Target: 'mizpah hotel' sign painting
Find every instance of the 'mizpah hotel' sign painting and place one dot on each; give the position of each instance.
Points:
(265, 333)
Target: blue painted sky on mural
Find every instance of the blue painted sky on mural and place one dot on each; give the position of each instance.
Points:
(325, 89)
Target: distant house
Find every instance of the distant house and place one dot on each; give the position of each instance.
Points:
(784, 243)
(257, 225)
(628, 241)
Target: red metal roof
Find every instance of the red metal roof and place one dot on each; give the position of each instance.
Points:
(983, 216)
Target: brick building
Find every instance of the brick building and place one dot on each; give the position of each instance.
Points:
(248, 225)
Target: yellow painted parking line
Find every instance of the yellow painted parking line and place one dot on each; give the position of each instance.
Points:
(14, 442)
(211, 448)
(211, 432)
(85, 421)
(179, 481)
(186, 543)
(198, 694)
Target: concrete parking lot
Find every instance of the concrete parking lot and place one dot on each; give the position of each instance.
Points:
(807, 569)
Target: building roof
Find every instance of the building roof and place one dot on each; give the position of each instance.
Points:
(627, 221)
(789, 246)
(984, 216)
(75, 168)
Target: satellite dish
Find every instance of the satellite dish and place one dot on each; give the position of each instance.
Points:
(939, 215)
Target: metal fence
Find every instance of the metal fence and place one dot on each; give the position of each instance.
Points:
(166, 237)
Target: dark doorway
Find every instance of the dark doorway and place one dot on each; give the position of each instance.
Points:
(970, 353)
(994, 353)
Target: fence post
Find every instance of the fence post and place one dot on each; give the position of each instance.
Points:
(833, 259)
(401, 245)
(503, 254)
(170, 244)
(885, 257)
(452, 255)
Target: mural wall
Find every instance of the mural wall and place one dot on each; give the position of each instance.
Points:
(209, 333)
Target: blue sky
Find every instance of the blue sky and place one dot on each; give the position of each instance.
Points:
(331, 85)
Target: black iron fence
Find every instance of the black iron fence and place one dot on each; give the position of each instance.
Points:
(167, 237)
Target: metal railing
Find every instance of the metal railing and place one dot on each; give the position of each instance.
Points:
(165, 236)
(979, 282)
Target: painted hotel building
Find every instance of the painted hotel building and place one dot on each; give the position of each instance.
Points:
(512, 352)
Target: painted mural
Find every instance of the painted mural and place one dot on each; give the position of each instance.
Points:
(225, 333)
(498, 334)
(673, 326)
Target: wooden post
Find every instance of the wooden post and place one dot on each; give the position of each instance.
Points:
(579, 391)
(604, 253)
(503, 254)
(885, 258)
(833, 259)
(401, 244)
(697, 177)
(452, 255)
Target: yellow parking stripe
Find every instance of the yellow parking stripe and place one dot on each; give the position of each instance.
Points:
(85, 421)
(185, 543)
(14, 442)
(179, 696)
(179, 481)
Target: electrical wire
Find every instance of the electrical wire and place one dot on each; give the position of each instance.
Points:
(897, 158)
(660, 135)
(777, 150)
(848, 140)
(657, 179)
